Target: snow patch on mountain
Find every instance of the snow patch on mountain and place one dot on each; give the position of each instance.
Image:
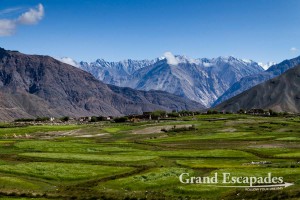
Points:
(267, 65)
(203, 80)
(250, 81)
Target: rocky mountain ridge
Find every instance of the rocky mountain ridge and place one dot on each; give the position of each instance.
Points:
(34, 85)
(281, 94)
(202, 80)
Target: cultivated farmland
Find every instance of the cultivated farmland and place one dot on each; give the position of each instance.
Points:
(106, 160)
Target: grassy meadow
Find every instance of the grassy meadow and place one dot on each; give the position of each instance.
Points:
(106, 160)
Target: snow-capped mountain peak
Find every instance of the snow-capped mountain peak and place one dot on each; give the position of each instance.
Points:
(267, 65)
(202, 80)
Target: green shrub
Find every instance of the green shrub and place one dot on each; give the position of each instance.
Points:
(97, 119)
(121, 119)
(24, 120)
(42, 119)
(65, 119)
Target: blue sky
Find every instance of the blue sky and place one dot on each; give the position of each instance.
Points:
(262, 30)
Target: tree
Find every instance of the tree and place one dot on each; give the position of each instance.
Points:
(121, 119)
(241, 111)
(273, 113)
(42, 119)
(173, 114)
(158, 113)
(65, 119)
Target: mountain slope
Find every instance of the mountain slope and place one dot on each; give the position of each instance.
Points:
(201, 80)
(160, 98)
(115, 73)
(280, 94)
(250, 81)
(32, 85)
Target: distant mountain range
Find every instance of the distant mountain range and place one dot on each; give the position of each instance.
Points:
(33, 85)
(280, 94)
(255, 79)
(202, 80)
(267, 65)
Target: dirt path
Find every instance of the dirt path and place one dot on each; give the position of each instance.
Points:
(89, 136)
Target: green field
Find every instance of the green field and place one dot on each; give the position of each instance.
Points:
(138, 161)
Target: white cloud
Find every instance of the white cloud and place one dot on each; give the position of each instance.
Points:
(69, 61)
(9, 10)
(293, 49)
(7, 27)
(33, 16)
(170, 58)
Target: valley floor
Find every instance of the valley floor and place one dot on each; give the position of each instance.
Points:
(144, 160)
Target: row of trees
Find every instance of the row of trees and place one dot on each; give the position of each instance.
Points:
(269, 112)
(41, 119)
(158, 114)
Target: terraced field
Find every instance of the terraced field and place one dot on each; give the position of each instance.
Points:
(138, 161)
